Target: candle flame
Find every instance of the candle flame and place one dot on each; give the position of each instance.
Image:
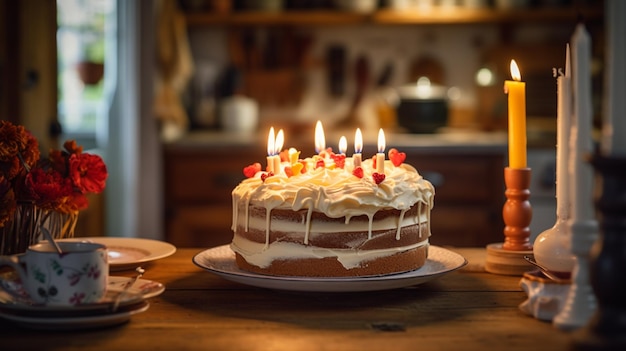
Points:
(320, 139)
(358, 141)
(280, 140)
(270, 142)
(343, 145)
(515, 73)
(381, 141)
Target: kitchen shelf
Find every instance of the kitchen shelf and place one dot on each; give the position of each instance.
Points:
(391, 17)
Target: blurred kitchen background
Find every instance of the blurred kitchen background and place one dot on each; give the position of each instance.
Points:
(178, 96)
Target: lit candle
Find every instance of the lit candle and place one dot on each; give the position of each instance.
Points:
(320, 139)
(343, 145)
(270, 150)
(517, 118)
(358, 148)
(582, 173)
(278, 146)
(562, 138)
(380, 156)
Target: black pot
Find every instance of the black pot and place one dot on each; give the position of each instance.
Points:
(422, 109)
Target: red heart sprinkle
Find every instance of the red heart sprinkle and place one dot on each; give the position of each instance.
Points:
(397, 158)
(378, 177)
(358, 172)
(319, 164)
(252, 169)
(340, 160)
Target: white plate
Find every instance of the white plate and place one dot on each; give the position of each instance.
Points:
(142, 289)
(221, 261)
(76, 323)
(129, 253)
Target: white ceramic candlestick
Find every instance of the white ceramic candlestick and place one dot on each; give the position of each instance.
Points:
(551, 248)
(581, 303)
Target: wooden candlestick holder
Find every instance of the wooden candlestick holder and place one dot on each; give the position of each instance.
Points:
(607, 328)
(508, 257)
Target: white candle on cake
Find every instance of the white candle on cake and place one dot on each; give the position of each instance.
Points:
(270, 150)
(320, 139)
(278, 146)
(380, 156)
(358, 148)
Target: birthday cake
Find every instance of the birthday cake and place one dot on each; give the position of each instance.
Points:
(331, 216)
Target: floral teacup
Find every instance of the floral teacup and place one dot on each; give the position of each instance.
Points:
(77, 276)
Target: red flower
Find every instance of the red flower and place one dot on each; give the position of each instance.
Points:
(88, 172)
(58, 182)
(74, 202)
(72, 147)
(48, 188)
(12, 140)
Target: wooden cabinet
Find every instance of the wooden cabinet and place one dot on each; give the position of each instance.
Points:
(469, 194)
(468, 185)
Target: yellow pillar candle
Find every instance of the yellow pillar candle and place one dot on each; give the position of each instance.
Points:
(516, 89)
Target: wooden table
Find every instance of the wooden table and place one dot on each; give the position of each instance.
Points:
(464, 310)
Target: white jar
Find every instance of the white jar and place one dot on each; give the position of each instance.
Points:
(239, 114)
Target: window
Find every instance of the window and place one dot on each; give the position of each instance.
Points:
(85, 33)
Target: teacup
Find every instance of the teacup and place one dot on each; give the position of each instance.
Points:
(76, 276)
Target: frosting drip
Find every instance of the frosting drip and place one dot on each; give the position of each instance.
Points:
(336, 192)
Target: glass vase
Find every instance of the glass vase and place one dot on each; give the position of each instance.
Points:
(25, 227)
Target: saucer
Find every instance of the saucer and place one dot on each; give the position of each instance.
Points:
(221, 261)
(129, 253)
(71, 323)
(13, 299)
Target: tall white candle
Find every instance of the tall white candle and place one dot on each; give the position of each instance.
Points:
(564, 112)
(581, 171)
(614, 127)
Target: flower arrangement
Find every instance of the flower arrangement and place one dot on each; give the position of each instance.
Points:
(56, 183)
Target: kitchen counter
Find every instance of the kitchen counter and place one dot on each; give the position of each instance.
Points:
(453, 141)
(467, 309)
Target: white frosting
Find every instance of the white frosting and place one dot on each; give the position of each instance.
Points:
(262, 256)
(337, 193)
(330, 227)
